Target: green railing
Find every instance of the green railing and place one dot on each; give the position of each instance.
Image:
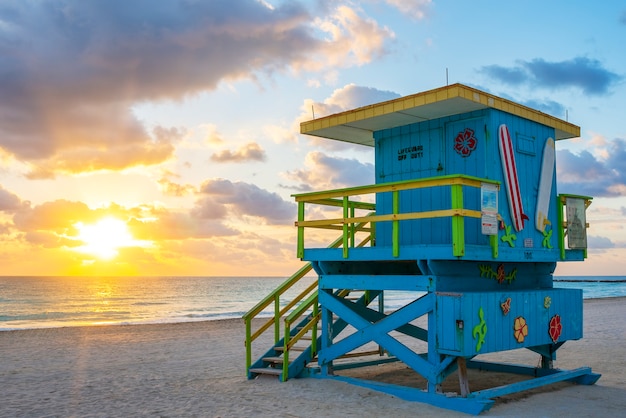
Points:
(341, 198)
(304, 300)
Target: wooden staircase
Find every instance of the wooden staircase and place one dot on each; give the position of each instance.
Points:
(295, 352)
(295, 355)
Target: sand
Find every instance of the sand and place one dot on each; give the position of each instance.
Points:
(198, 370)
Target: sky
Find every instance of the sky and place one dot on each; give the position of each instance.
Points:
(153, 137)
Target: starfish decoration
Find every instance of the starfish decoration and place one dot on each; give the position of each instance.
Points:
(506, 306)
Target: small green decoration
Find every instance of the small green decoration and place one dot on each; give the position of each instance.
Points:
(480, 330)
(547, 301)
(499, 275)
(546, 239)
(508, 236)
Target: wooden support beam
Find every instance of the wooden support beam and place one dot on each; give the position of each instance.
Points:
(463, 380)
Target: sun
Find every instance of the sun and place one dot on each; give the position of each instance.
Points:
(104, 238)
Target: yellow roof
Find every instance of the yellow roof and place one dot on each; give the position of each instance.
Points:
(357, 125)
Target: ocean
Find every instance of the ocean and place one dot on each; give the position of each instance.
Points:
(52, 302)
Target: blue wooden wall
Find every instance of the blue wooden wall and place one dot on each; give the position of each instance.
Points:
(427, 149)
(459, 326)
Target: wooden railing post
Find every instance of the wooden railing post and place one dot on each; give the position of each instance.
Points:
(300, 230)
(276, 318)
(345, 227)
(248, 344)
(395, 224)
(560, 200)
(458, 221)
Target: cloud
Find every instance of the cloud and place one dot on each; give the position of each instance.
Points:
(247, 153)
(57, 216)
(596, 243)
(416, 9)
(585, 174)
(71, 72)
(172, 225)
(349, 38)
(219, 197)
(324, 172)
(547, 106)
(580, 72)
(345, 98)
(10, 202)
(212, 134)
(171, 188)
(53, 224)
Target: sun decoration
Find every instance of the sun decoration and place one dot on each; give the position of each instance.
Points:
(521, 329)
(555, 328)
(465, 142)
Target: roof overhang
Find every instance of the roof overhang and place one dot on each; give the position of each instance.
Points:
(357, 125)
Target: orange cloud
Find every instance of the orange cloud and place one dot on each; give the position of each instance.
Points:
(246, 153)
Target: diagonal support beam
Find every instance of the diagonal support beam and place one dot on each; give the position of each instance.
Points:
(378, 332)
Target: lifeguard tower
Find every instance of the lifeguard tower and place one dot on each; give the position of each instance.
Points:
(464, 215)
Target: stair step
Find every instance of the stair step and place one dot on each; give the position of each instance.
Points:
(266, 370)
(274, 360)
(294, 348)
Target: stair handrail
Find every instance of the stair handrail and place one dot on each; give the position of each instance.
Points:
(274, 297)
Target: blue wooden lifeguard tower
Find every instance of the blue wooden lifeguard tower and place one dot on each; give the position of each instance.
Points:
(464, 215)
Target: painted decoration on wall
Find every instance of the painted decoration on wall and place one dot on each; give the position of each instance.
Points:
(507, 154)
(506, 306)
(545, 186)
(547, 301)
(480, 330)
(500, 274)
(555, 328)
(547, 234)
(465, 142)
(508, 236)
(520, 329)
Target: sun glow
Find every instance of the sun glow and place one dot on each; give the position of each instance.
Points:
(104, 238)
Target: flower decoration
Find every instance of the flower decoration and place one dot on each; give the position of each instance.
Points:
(555, 328)
(506, 306)
(547, 301)
(521, 329)
(465, 142)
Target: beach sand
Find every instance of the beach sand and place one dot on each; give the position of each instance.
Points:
(198, 369)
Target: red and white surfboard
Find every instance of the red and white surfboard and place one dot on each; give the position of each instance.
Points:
(510, 176)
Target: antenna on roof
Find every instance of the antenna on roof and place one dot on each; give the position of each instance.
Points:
(446, 76)
(313, 111)
(566, 115)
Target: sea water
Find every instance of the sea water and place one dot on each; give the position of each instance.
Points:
(50, 302)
